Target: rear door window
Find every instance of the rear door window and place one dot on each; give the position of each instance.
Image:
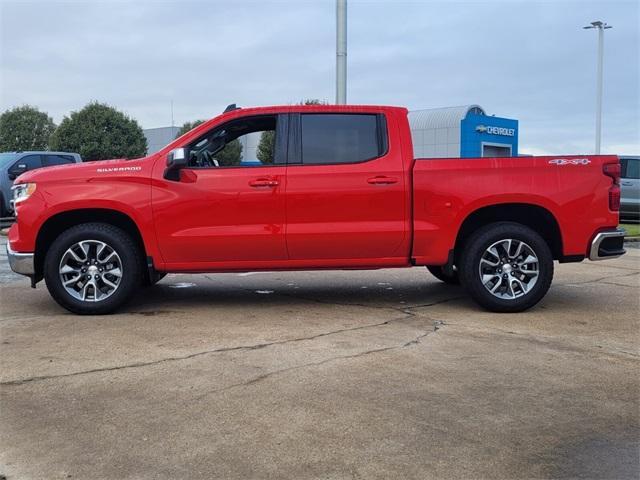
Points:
(50, 160)
(342, 138)
(632, 169)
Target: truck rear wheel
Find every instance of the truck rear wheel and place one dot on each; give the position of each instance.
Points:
(506, 267)
(441, 274)
(92, 268)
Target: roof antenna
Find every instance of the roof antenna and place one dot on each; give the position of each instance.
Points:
(231, 108)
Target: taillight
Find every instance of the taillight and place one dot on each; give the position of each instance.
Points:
(613, 170)
(614, 198)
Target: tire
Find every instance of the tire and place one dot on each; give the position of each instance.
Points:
(515, 283)
(3, 211)
(117, 263)
(439, 272)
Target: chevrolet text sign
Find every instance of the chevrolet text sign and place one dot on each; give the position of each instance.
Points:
(507, 132)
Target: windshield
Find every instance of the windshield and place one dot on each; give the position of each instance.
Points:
(6, 158)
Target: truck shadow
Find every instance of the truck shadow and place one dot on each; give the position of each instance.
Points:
(179, 296)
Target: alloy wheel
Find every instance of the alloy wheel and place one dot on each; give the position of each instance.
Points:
(509, 269)
(90, 270)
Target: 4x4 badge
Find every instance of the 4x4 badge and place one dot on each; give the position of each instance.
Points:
(570, 161)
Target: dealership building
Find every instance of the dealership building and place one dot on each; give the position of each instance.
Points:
(465, 131)
(451, 132)
(157, 138)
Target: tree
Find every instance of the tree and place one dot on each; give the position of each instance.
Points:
(266, 147)
(100, 132)
(231, 154)
(313, 101)
(188, 126)
(25, 128)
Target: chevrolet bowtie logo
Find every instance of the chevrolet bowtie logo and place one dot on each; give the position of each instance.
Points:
(481, 128)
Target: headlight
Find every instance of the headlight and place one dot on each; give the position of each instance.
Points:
(22, 191)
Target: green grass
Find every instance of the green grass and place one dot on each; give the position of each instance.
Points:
(633, 229)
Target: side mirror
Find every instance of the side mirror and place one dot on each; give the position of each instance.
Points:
(17, 170)
(177, 159)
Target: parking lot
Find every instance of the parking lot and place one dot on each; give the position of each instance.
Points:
(333, 375)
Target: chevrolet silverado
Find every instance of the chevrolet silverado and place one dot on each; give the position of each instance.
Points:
(311, 187)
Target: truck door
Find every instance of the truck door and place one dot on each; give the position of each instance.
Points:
(228, 208)
(346, 202)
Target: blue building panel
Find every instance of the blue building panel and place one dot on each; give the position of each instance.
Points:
(477, 131)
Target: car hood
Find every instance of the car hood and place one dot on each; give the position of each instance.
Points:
(86, 170)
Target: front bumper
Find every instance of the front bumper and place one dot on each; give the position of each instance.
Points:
(607, 244)
(21, 263)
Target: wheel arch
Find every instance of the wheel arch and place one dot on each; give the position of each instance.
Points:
(58, 223)
(536, 217)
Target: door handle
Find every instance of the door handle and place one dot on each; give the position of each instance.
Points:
(627, 184)
(263, 182)
(382, 180)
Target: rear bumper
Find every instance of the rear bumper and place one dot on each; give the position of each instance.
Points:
(21, 263)
(607, 244)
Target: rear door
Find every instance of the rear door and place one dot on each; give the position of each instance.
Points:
(345, 190)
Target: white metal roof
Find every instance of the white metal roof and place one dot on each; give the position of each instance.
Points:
(448, 117)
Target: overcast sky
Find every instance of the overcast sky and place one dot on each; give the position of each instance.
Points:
(526, 60)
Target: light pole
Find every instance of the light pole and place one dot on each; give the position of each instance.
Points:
(601, 27)
(341, 52)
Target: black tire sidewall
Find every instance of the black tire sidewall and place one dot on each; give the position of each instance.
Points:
(116, 239)
(474, 249)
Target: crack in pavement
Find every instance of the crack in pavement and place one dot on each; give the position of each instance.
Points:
(405, 310)
(436, 326)
(549, 342)
(596, 264)
(621, 285)
(601, 279)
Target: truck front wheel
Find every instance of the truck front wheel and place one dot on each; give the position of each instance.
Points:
(92, 268)
(506, 267)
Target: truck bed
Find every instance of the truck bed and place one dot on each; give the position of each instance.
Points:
(573, 189)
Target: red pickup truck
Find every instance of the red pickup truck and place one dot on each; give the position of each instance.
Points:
(311, 187)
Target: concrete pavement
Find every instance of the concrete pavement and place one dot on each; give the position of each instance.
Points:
(333, 375)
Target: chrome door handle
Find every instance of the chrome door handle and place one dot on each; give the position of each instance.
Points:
(627, 184)
(264, 182)
(382, 180)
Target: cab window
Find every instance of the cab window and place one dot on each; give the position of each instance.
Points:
(245, 142)
(30, 162)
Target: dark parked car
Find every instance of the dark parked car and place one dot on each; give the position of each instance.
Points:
(12, 164)
(630, 189)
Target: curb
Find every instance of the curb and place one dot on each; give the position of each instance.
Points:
(632, 239)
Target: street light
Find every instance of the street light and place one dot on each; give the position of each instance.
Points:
(341, 52)
(601, 27)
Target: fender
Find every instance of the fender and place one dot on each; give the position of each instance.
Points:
(139, 217)
(437, 234)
